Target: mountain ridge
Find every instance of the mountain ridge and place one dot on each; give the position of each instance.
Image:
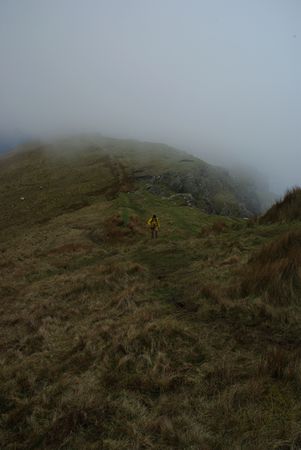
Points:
(68, 173)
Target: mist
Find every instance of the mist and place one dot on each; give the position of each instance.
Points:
(220, 79)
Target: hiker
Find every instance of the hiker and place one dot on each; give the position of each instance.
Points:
(154, 224)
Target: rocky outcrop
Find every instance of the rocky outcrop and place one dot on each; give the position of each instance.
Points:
(208, 188)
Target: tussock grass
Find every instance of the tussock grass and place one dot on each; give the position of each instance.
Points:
(287, 209)
(215, 228)
(109, 340)
(275, 270)
(117, 227)
(280, 363)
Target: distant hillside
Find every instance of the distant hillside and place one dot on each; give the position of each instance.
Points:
(52, 178)
(286, 210)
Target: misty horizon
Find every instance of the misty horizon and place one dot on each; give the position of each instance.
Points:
(220, 80)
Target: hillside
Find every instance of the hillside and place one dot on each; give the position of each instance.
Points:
(71, 174)
(287, 209)
(110, 340)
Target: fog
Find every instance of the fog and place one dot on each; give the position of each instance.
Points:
(218, 78)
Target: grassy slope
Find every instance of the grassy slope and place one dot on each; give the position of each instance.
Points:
(53, 178)
(112, 341)
(59, 176)
(287, 209)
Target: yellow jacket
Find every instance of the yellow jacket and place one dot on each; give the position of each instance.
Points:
(154, 223)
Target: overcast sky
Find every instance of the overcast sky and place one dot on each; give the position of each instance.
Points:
(220, 78)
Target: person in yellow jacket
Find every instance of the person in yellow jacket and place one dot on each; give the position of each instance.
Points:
(154, 224)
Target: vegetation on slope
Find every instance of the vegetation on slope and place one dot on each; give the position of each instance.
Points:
(110, 340)
(274, 271)
(42, 180)
(286, 210)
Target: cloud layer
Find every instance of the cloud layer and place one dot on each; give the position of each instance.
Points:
(220, 79)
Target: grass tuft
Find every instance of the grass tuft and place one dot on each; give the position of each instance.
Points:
(275, 270)
(287, 209)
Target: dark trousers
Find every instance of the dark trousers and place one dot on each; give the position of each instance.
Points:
(154, 233)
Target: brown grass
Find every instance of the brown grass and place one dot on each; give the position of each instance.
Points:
(275, 270)
(210, 292)
(70, 248)
(116, 228)
(280, 363)
(112, 341)
(215, 228)
(285, 210)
